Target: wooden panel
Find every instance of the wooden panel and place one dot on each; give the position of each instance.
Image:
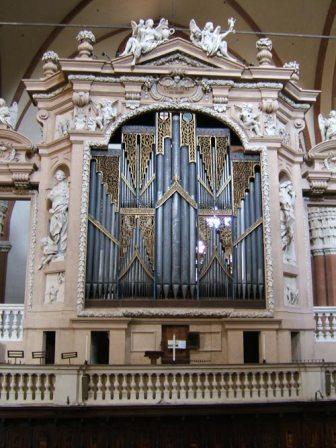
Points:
(180, 332)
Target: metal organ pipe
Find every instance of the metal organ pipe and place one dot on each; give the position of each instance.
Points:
(159, 224)
(176, 214)
(185, 225)
(167, 213)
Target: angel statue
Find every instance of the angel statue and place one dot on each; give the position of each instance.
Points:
(211, 40)
(8, 115)
(145, 37)
(328, 125)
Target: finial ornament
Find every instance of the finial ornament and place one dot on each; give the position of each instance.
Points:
(211, 39)
(264, 47)
(8, 115)
(86, 40)
(51, 65)
(328, 126)
(294, 65)
(145, 37)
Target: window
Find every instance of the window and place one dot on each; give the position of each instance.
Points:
(175, 213)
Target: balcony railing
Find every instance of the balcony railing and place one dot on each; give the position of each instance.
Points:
(159, 385)
(11, 322)
(325, 318)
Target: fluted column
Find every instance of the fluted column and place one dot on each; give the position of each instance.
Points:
(322, 228)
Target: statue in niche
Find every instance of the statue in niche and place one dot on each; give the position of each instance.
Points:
(8, 115)
(328, 125)
(287, 219)
(54, 245)
(145, 37)
(250, 119)
(211, 39)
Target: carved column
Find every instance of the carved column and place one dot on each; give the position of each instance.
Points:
(322, 227)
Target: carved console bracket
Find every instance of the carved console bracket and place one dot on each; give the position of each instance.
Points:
(320, 169)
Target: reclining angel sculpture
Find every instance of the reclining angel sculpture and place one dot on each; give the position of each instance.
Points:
(211, 40)
(145, 37)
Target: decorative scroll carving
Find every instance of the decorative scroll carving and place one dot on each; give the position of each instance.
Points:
(146, 142)
(322, 227)
(328, 126)
(287, 219)
(204, 142)
(8, 115)
(211, 40)
(176, 88)
(54, 245)
(3, 213)
(164, 130)
(146, 224)
(188, 137)
(221, 152)
(109, 167)
(241, 173)
(145, 37)
(130, 150)
(127, 226)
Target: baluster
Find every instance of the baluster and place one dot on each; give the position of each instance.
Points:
(141, 387)
(174, 388)
(10, 387)
(30, 387)
(165, 387)
(319, 326)
(112, 386)
(265, 384)
(6, 327)
(186, 385)
(199, 394)
(133, 385)
(332, 324)
(99, 384)
(20, 324)
(50, 387)
(207, 387)
(2, 328)
(240, 385)
(124, 387)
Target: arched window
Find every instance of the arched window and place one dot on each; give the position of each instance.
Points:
(175, 212)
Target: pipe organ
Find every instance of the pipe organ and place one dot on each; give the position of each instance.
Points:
(175, 213)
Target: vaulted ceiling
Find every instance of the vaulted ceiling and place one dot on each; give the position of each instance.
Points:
(22, 47)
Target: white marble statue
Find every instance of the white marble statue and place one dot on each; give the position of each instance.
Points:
(328, 125)
(145, 37)
(287, 219)
(211, 39)
(102, 113)
(8, 115)
(54, 245)
(250, 119)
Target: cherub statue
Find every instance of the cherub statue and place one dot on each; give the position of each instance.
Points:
(328, 125)
(211, 40)
(145, 37)
(250, 119)
(102, 113)
(8, 115)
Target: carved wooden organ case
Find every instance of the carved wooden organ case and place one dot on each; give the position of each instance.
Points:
(175, 213)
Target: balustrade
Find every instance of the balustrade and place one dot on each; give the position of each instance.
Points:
(155, 385)
(325, 318)
(11, 322)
